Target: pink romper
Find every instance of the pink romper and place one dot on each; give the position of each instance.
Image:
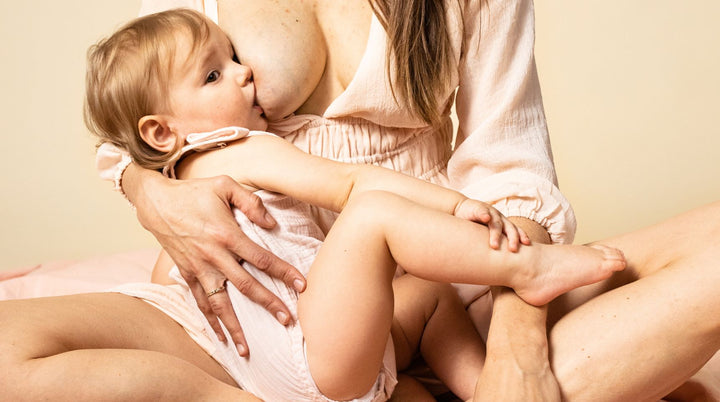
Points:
(277, 369)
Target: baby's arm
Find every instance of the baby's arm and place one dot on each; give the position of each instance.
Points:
(271, 163)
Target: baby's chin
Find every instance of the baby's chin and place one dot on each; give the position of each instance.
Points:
(260, 125)
(255, 124)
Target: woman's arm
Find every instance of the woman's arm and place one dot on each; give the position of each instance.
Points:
(503, 156)
(517, 365)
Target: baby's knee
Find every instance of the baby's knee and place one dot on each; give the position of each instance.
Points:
(371, 206)
(371, 200)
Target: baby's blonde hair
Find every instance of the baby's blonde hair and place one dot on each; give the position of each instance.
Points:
(128, 75)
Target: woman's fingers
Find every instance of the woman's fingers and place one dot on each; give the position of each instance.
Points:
(220, 304)
(222, 308)
(251, 206)
(269, 263)
(205, 241)
(206, 308)
(247, 202)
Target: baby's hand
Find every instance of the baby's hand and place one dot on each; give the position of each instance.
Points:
(496, 222)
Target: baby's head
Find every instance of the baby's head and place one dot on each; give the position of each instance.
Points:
(164, 76)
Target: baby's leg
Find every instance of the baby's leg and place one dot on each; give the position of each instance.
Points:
(430, 317)
(102, 347)
(346, 311)
(440, 247)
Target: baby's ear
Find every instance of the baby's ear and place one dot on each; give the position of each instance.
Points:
(155, 131)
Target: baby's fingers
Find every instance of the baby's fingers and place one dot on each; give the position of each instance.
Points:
(495, 228)
(513, 235)
(524, 238)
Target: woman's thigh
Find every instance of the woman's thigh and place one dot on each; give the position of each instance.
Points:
(49, 326)
(645, 330)
(686, 240)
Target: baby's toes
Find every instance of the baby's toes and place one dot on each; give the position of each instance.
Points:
(614, 259)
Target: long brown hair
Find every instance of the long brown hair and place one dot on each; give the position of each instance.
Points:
(420, 49)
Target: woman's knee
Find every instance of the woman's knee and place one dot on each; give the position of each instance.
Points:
(428, 295)
(18, 345)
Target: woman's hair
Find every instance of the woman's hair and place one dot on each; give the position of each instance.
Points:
(128, 75)
(420, 49)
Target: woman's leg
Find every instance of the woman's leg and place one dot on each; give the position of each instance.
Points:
(103, 346)
(641, 340)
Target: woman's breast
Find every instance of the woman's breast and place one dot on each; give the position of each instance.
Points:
(303, 54)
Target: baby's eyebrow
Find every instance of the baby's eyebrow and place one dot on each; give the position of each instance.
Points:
(202, 63)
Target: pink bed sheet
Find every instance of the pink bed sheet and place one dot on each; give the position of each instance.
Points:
(95, 274)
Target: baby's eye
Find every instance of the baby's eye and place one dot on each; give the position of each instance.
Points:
(213, 76)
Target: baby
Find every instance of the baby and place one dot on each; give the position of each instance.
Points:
(169, 89)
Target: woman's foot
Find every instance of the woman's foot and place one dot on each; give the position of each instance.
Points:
(561, 268)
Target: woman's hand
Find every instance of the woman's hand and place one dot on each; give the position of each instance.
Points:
(497, 223)
(193, 221)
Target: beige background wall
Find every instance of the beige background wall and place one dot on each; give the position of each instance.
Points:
(631, 89)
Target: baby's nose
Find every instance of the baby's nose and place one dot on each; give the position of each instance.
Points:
(244, 75)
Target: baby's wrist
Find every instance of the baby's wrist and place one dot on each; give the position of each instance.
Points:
(459, 205)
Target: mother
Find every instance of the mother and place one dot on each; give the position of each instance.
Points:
(325, 62)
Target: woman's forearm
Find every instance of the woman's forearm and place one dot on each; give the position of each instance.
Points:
(513, 309)
(135, 178)
(518, 330)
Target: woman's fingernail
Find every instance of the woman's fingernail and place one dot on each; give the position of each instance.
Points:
(282, 317)
(241, 349)
(299, 285)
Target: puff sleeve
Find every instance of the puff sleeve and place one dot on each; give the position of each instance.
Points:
(503, 153)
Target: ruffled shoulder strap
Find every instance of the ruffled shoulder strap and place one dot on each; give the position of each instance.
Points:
(199, 142)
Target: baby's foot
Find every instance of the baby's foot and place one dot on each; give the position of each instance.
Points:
(561, 268)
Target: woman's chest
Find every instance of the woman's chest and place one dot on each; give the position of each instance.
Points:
(303, 53)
